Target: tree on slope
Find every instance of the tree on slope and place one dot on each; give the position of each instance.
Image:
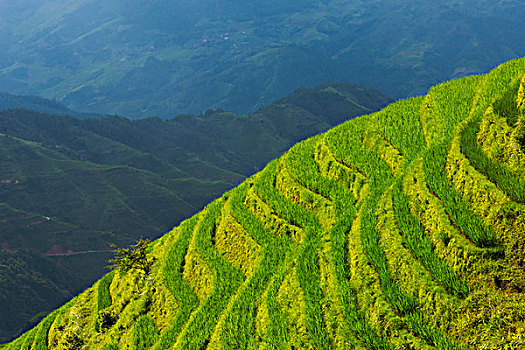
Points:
(133, 258)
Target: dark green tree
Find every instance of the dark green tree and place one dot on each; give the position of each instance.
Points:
(133, 258)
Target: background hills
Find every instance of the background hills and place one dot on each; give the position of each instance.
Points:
(166, 57)
(70, 186)
(42, 105)
(401, 229)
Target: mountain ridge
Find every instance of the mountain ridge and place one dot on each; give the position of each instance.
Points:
(42, 105)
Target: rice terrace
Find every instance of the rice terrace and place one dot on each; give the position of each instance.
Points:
(402, 229)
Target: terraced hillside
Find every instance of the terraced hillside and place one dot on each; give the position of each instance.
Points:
(70, 187)
(402, 229)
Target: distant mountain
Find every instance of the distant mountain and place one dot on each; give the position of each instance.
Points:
(42, 105)
(166, 57)
(70, 186)
(401, 229)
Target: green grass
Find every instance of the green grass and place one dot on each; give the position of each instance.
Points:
(304, 169)
(238, 326)
(144, 333)
(459, 211)
(172, 277)
(420, 245)
(104, 296)
(307, 260)
(40, 342)
(110, 347)
(227, 280)
(498, 173)
(506, 105)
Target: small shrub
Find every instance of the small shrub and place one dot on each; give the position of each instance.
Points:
(73, 342)
(106, 319)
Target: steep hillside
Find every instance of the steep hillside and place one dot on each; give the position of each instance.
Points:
(165, 57)
(402, 229)
(69, 187)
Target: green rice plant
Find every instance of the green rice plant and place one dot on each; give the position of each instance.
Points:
(330, 168)
(110, 347)
(499, 174)
(227, 280)
(103, 296)
(303, 167)
(144, 333)
(399, 300)
(15, 344)
(172, 276)
(236, 245)
(445, 106)
(419, 325)
(420, 245)
(57, 326)
(506, 105)
(28, 341)
(501, 142)
(380, 178)
(458, 210)
(494, 83)
(237, 329)
(399, 124)
(40, 342)
(318, 205)
(404, 305)
(307, 261)
(345, 142)
(197, 272)
(277, 333)
(377, 142)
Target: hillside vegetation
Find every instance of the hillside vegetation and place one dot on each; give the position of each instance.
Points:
(70, 187)
(42, 105)
(402, 229)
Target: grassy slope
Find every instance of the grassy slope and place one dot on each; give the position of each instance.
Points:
(340, 243)
(85, 183)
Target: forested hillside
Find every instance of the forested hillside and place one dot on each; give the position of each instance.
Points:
(42, 105)
(166, 57)
(70, 187)
(401, 229)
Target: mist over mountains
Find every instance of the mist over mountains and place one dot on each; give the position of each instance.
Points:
(162, 58)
